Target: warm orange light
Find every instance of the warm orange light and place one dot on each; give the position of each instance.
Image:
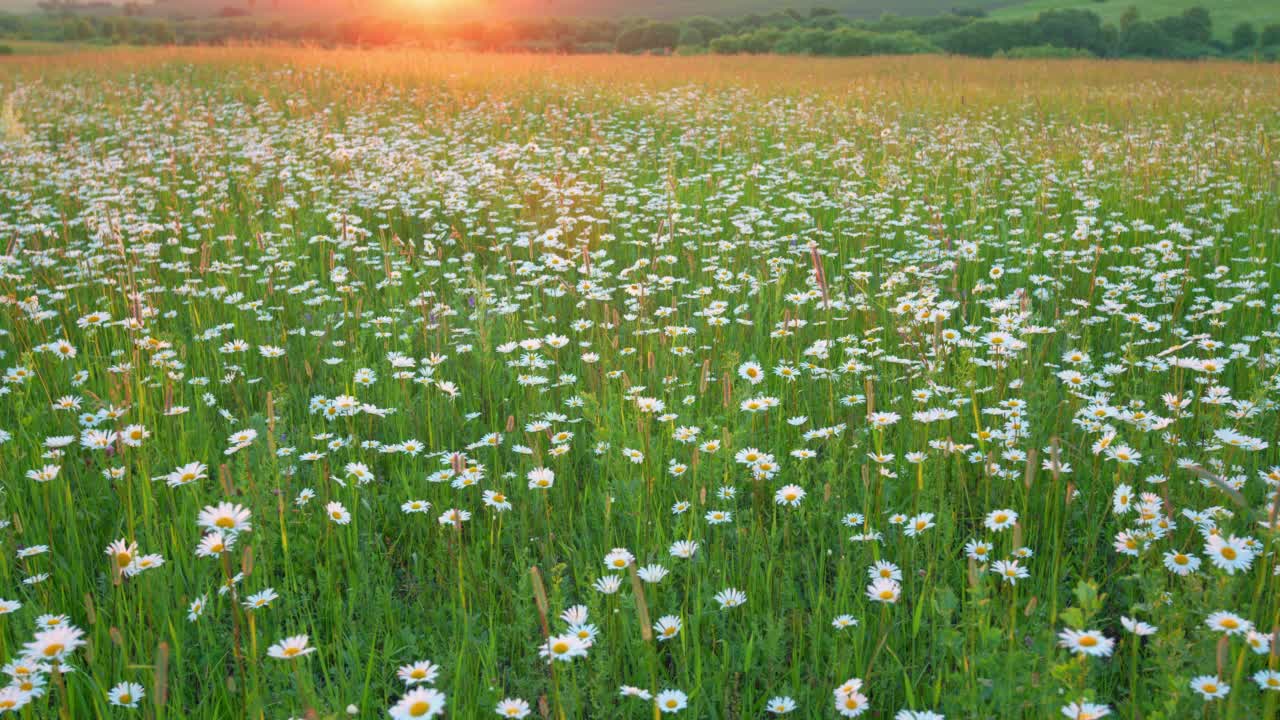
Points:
(438, 7)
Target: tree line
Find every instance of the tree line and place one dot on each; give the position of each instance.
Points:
(824, 32)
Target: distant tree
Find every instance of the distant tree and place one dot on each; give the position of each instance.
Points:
(984, 38)
(761, 41)
(9, 24)
(726, 45)
(161, 33)
(820, 12)
(632, 39)
(802, 41)
(1128, 18)
(77, 29)
(1146, 39)
(1193, 26)
(1244, 37)
(1199, 24)
(661, 36)
(709, 28)
(690, 36)
(1270, 35)
(1081, 29)
(969, 12)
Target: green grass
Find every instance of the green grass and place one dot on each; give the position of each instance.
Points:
(883, 237)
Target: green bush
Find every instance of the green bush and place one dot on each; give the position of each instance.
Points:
(1244, 37)
(985, 38)
(1043, 52)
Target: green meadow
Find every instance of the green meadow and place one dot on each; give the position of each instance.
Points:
(410, 384)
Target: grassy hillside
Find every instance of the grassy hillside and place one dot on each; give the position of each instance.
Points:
(1226, 14)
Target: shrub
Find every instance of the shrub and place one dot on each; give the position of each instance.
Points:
(1044, 52)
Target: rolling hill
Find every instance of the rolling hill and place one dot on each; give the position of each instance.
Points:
(1226, 14)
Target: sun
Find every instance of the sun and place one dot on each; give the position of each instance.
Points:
(438, 7)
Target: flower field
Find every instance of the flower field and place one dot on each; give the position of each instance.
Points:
(401, 384)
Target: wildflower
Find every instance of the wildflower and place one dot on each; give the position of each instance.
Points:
(671, 701)
(1010, 571)
(337, 513)
(652, 573)
(13, 699)
(291, 647)
(1137, 627)
(55, 644)
(884, 590)
(780, 705)
(1181, 563)
(619, 559)
(683, 549)
(1228, 623)
(196, 608)
(667, 627)
(419, 703)
(563, 648)
(226, 517)
(1229, 554)
(998, 520)
(1086, 642)
(789, 495)
(541, 479)
(730, 598)
(1085, 711)
(421, 672)
(1210, 687)
(513, 708)
(608, 585)
(126, 694)
(1267, 680)
(261, 599)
